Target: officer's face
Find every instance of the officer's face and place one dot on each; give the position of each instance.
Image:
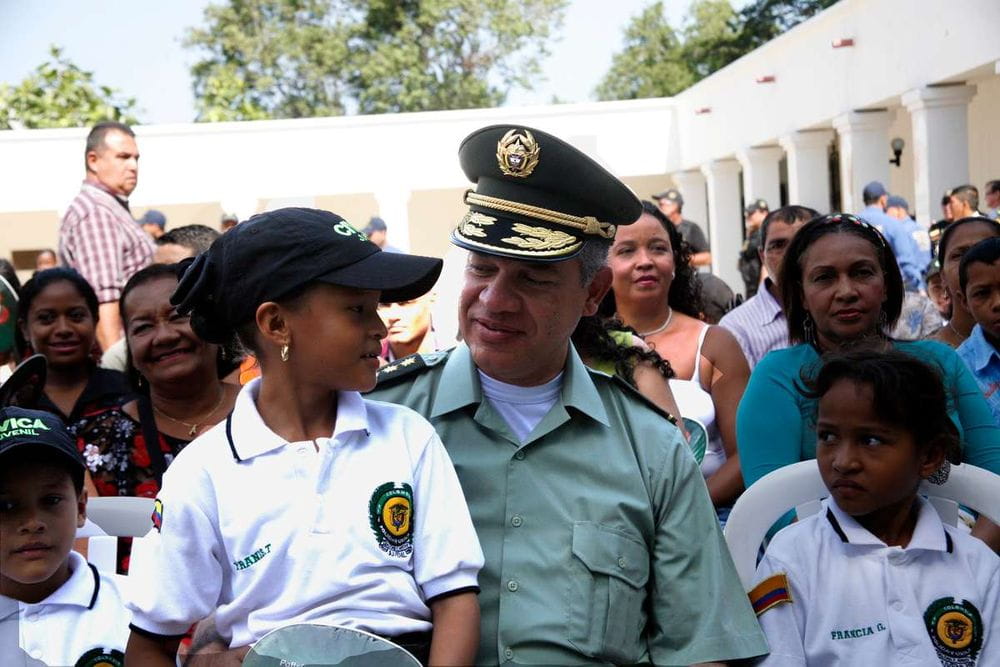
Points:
(779, 235)
(872, 468)
(116, 163)
(517, 317)
(39, 515)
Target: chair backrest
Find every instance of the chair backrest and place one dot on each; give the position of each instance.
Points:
(800, 485)
(116, 516)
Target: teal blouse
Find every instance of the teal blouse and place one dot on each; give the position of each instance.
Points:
(774, 422)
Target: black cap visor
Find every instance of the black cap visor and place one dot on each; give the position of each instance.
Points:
(398, 276)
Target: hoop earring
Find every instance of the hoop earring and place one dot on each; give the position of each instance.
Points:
(284, 352)
(808, 330)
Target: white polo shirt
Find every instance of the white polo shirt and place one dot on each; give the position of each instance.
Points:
(856, 601)
(83, 620)
(360, 529)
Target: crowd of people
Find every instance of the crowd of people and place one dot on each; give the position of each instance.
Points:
(548, 484)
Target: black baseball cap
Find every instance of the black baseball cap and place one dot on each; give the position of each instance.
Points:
(672, 194)
(22, 430)
(272, 254)
(757, 205)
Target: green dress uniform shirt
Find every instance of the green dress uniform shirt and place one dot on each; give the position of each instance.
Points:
(601, 542)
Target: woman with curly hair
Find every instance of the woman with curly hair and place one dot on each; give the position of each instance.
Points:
(656, 292)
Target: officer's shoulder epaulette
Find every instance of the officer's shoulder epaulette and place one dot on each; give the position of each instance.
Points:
(407, 367)
(631, 391)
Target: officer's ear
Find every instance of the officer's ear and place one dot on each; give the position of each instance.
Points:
(598, 287)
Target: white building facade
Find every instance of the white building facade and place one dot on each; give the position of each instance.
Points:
(806, 119)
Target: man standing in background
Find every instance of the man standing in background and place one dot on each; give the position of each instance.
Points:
(672, 203)
(98, 236)
(749, 261)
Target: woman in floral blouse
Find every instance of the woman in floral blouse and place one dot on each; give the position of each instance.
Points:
(180, 393)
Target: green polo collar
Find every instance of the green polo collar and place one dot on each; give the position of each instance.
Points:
(460, 386)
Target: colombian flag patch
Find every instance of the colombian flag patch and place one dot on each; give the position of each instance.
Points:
(772, 591)
(157, 516)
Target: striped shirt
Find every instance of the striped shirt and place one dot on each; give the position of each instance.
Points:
(758, 324)
(99, 238)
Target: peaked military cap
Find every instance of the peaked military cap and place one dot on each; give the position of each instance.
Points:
(537, 197)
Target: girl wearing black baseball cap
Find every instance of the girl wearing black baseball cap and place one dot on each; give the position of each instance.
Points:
(309, 503)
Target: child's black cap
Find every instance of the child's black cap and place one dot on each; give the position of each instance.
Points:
(272, 254)
(22, 430)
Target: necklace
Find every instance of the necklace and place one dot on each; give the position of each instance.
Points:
(957, 332)
(666, 323)
(193, 428)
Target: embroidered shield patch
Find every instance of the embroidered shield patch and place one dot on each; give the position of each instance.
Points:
(101, 657)
(390, 513)
(157, 516)
(956, 631)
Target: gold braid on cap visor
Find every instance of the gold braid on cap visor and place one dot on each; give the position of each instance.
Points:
(587, 225)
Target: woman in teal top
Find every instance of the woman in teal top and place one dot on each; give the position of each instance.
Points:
(841, 287)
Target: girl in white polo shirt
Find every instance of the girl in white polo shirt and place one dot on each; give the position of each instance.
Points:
(309, 503)
(875, 578)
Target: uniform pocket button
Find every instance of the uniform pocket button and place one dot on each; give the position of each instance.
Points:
(508, 654)
(516, 521)
(621, 561)
(512, 586)
(519, 456)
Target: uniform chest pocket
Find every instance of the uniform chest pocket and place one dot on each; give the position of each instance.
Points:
(605, 601)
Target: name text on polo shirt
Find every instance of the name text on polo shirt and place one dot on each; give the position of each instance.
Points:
(252, 559)
(854, 633)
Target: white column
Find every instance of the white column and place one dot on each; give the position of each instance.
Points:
(692, 187)
(939, 116)
(761, 179)
(725, 219)
(864, 154)
(393, 207)
(808, 168)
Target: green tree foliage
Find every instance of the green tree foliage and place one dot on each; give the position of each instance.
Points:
(652, 62)
(656, 63)
(297, 58)
(60, 94)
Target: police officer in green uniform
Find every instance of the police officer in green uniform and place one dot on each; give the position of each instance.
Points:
(749, 262)
(601, 542)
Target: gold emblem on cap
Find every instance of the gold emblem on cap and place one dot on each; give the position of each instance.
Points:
(471, 223)
(517, 153)
(538, 238)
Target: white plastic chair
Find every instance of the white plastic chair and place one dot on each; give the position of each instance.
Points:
(114, 517)
(800, 486)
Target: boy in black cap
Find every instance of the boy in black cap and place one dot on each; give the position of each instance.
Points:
(54, 606)
(310, 503)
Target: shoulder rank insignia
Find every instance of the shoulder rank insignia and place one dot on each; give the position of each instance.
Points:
(400, 368)
(771, 592)
(622, 384)
(956, 631)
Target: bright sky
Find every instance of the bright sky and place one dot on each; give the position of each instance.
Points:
(135, 46)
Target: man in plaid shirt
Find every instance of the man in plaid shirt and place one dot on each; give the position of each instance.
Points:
(98, 236)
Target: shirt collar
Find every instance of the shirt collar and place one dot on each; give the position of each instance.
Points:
(770, 308)
(80, 590)
(249, 436)
(928, 533)
(979, 349)
(101, 187)
(462, 382)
